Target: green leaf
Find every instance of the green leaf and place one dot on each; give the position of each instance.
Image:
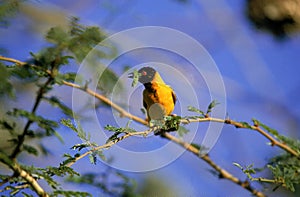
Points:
(292, 142)
(255, 122)
(26, 195)
(238, 165)
(194, 109)
(71, 193)
(83, 39)
(60, 78)
(60, 171)
(47, 59)
(68, 123)
(270, 130)
(57, 35)
(246, 125)
(70, 76)
(79, 146)
(68, 159)
(171, 123)
(14, 191)
(81, 133)
(113, 137)
(211, 106)
(42, 173)
(285, 169)
(25, 73)
(118, 129)
(54, 101)
(30, 149)
(135, 77)
(93, 158)
(249, 169)
(47, 125)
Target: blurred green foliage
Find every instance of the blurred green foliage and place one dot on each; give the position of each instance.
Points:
(44, 71)
(285, 167)
(7, 9)
(66, 47)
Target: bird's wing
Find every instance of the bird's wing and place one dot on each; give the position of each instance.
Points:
(144, 104)
(174, 97)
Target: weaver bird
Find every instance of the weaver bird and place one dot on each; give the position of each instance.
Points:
(158, 98)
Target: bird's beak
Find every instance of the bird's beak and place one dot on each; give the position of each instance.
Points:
(130, 75)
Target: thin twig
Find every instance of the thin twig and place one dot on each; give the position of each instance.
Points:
(104, 99)
(111, 143)
(41, 91)
(22, 136)
(19, 187)
(22, 173)
(124, 113)
(186, 121)
(222, 172)
(7, 59)
(273, 141)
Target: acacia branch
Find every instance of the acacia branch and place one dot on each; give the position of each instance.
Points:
(104, 99)
(124, 113)
(21, 137)
(40, 93)
(222, 172)
(22, 173)
(273, 141)
(112, 142)
(7, 59)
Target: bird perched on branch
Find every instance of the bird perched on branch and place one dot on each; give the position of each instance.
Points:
(158, 98)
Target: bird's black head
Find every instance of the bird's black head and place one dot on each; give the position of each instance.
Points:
(146, 74)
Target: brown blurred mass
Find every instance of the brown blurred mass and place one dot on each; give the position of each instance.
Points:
(280, 17)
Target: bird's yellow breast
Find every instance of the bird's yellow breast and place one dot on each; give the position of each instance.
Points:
(158, 93)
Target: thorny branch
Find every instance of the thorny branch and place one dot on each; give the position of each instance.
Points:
(273, 141)
(111, 143)
(22, 173)
(21, 137)
(222, 172)
(124, 113)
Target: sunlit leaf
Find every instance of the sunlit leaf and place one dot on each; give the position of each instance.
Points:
(211, 106)
(194, 109)
(135, 77)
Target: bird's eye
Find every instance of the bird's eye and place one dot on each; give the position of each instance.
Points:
(144, 73)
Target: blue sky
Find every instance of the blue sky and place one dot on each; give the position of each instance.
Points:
(260, 75)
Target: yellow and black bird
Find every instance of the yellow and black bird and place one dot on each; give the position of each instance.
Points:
(158, 98)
